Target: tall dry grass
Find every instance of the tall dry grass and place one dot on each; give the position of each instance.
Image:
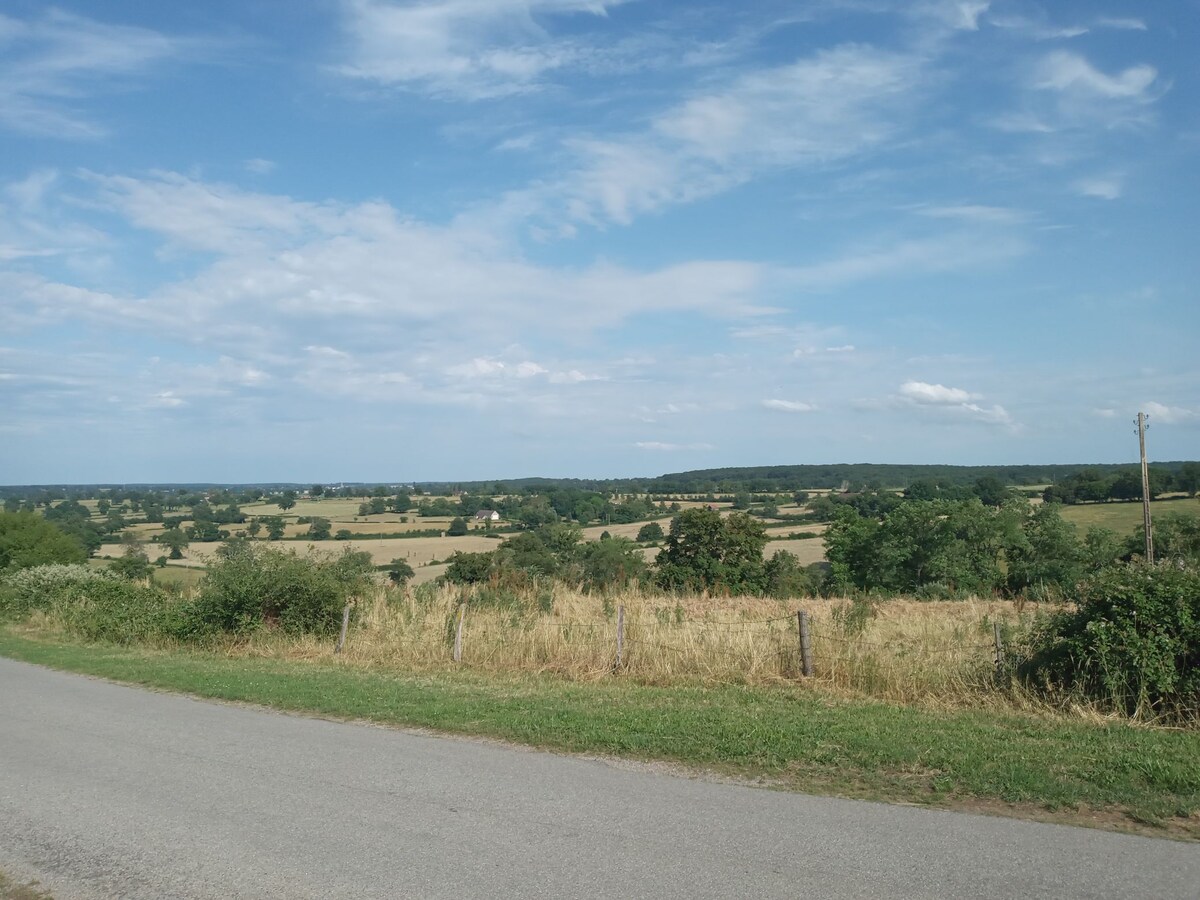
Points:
(897, 650)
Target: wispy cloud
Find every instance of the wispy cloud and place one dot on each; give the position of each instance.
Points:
(461, 49)
(53, 65)
(1170, 415)
(1104, 188)
(668, 447)
(813, 112)
(789, 406)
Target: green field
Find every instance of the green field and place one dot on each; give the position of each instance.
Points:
(1124, 518)
(788, 736)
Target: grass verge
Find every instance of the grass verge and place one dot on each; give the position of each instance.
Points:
(1105, 774)
(16, 890)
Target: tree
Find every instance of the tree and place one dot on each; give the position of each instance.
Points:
(651, 531)
(174, 540)
(274, 527)
(319, 529)
(133, 564)
(316, 490)
(458, 527)
(29, 540)
(399, 571)
(990, 490)
(378, 506)
(614, 563)
(704, 551)
(468, 568)
(343, 534)
(286, 500)
(206, 530)
(254, 528)
(401, 503)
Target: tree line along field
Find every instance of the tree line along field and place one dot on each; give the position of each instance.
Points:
(426, 554)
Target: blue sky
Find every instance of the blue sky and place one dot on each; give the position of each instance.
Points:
(458, 239)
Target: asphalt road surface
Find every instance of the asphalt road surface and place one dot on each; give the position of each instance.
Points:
(111, 791)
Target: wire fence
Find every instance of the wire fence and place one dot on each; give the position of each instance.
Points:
(666, 643)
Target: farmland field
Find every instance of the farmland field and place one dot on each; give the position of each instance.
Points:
(416, 551)
(1124, 518)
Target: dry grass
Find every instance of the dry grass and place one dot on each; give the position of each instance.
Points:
(904, 651)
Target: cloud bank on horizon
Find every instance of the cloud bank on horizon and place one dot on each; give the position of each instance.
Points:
(436, 239)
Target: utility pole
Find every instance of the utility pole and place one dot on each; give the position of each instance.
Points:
(1141, 428)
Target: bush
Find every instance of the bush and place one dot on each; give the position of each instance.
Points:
(94, 604)
(250, 586)
(1132, 643)
(118, 611)
(39, 587)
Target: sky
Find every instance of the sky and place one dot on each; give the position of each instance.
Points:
(365, 240)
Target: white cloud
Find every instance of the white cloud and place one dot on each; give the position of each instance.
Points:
(922, 392)
(953, 401)
(464, 49)
(976, 214)
(819, 110)
(1170, 415)
(1070, 72)
(960, 15)
(1121, 24)
(789, 406)
(669, 447)
(1104, 188)
(259, 166)
(53, 62)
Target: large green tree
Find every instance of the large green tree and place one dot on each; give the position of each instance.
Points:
(704, 551)
(29, 540)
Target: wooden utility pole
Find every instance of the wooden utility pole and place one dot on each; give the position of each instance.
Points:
(1142, 426)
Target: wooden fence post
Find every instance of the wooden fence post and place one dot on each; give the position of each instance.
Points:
(999, 647)
(462, 611)
(341, 641)
(806, 665)
(620, 637)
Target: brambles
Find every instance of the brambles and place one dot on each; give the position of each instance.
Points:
(251, 586)
(1131, 643)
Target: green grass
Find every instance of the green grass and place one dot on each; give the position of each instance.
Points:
(1111, 774)
(1124, 518)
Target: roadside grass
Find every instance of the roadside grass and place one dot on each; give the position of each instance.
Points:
(15, 890)
(1105, 773)
(1124, 518)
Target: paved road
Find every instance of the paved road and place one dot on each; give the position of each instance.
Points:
(110, 791)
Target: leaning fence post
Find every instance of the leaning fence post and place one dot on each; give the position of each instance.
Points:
(462, 611)
(341, 641)
(620, 637)
(806, 666)
(999, 647)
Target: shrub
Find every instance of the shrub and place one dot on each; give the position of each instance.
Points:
(39, 587)
(116, 610)
(1133, 641)
(250, 586)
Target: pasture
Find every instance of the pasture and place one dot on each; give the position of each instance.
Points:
(1124, 518)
